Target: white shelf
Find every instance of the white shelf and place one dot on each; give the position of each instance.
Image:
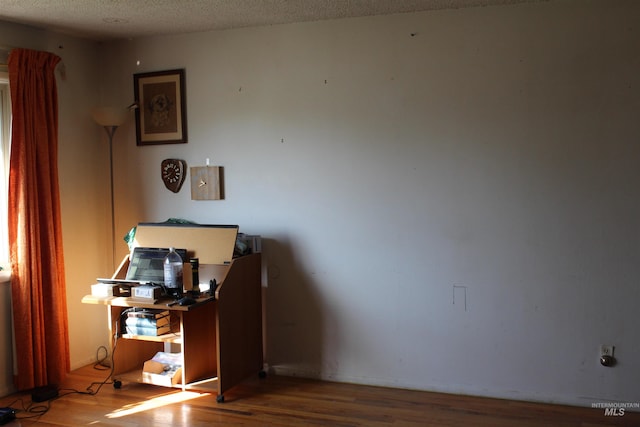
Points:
(206, 385)
(173, 338)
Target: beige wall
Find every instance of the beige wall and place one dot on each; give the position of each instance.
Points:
(454, 210)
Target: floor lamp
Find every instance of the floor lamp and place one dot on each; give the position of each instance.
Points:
(110, 118)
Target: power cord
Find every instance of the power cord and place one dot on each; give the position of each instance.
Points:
(90, 390)
(37, 410)
(100, 364)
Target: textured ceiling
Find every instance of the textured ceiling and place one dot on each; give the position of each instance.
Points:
(116, 19)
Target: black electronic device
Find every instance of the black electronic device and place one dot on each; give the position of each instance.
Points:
(186, 301)
(7, 415)
(147, 264)
(42, 394)
(213, 285)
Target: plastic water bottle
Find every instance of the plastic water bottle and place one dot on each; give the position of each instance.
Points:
(173, 273)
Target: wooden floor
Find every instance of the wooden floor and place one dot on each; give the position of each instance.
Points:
(286, 401)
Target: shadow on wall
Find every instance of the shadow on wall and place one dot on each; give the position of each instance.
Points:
(293, 314)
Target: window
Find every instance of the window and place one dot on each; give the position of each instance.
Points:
(5, 147)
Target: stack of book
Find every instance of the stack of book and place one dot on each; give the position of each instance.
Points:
(148, 322)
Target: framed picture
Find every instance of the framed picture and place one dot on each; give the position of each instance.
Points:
(161, 116)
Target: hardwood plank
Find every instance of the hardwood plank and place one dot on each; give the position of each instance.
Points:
(289, 401)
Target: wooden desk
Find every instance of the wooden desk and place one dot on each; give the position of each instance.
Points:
(220, 338)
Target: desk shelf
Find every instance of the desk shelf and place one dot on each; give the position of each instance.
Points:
(207, 385)
(171, 338)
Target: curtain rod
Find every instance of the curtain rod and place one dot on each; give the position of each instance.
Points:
(4, 55)
(4, 49)
(7, 49)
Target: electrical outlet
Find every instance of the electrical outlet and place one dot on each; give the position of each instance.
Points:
(606, 350)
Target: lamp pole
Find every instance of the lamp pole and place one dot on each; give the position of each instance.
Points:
(110, 118)
(111, 130)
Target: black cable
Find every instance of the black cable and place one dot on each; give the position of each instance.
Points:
(89, 389)
(42, 408)
(100, 365)
(36, 411)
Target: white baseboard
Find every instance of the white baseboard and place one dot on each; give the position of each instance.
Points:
(313, 373)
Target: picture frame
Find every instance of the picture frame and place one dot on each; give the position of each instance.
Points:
(161, 116)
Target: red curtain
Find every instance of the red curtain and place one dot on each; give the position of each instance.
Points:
(35, 235)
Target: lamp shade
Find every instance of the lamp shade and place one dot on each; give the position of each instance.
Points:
(110, 116)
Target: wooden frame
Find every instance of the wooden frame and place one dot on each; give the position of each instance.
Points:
(161, 116)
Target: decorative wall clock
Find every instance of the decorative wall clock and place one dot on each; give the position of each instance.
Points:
(207, 183)
(173, 173)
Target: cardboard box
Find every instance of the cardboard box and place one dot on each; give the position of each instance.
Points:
(163, 369)
(105, 290)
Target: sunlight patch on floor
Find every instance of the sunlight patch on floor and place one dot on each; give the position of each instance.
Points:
(156, 402)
